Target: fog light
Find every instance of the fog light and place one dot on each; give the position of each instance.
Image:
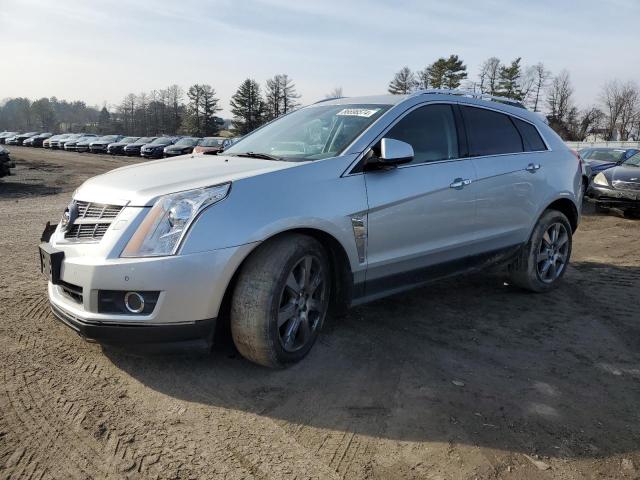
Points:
(134, 302)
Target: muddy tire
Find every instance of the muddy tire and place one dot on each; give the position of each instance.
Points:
(543, 261)
(280, 300)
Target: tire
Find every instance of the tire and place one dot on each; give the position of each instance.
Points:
(271, 286)
(543, 261)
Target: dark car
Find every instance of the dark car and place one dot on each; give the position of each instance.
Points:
(85, 139)
(183, 146)
(212, 145)
(20, 138)
(37, 140)
(100, 145)
(156, 148)
(117, 148)
(618, 186)
(133, 149)
(5, 135)
(600, 159)
(6, 164)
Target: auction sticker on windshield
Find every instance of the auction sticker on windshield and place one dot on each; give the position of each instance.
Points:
(358, 112)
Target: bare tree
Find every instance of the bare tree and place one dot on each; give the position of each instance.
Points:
(630, 112)
(403, 82)
(490, 75)
(562, 112)
(335, 93)
(611, 98)
(541, 76)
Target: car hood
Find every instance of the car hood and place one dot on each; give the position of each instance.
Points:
(597, 165)
(624, 174)
(147, 146)
(142, 184)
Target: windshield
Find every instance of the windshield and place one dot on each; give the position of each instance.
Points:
(604, 155)
(187, 142)
(311, 133)
(129, 140)
(109, 138)
(160, 140)
(146, 140)
(212, 142)
(633, 161)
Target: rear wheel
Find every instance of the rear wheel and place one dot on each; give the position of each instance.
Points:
(281, 300)
(543, 261)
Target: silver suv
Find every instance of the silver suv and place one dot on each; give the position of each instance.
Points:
(333, 205)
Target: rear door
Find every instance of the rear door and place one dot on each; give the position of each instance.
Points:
(420, 214)
(508, 154)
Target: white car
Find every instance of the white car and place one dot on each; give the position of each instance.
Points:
(335, 204)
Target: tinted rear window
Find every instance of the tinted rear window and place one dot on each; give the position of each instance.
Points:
(490, 133)
(532, 140)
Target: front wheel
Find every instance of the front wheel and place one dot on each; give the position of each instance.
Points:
(543, 261)
(280, 300)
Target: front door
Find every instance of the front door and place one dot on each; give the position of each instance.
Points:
(421, 215)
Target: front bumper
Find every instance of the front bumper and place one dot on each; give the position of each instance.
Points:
(191, 289)
(152, 153)
(188, 336)
(610, 197)
(98, 148)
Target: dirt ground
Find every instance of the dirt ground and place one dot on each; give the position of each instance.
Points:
(465, 379)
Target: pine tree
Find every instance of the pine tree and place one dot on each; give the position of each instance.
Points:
(280, 96)
(509, 81)
(455, 72)
(444, 73)
(403, 82)
(104, 121)
(199, 119)
(247, 107)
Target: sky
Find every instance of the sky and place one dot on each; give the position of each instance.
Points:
(100, 50)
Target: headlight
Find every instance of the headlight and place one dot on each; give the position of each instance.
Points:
(162, 230)
(600, 179)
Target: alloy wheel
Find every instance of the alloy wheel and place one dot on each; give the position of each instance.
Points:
(551, 259)
(302, 303)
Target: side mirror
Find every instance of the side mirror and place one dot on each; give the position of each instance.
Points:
(389, 153)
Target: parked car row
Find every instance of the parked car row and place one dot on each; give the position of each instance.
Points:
(614, 178)
(148, 147)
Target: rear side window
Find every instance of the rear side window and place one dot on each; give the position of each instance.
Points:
(490, 133)
(431, 131)
(532, 140)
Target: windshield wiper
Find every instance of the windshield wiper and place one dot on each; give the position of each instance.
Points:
(264, 156)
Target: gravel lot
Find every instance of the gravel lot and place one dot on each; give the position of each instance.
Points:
(468, 378)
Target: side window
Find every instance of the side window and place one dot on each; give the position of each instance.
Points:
(431, 131)
(532, 140)
(490, 133)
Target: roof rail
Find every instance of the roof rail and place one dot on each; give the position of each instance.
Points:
(470, 94)
(327, 99)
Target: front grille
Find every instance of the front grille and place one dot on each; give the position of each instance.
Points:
(87, 231)
(97, 210)
(93, 221)
(620, 185)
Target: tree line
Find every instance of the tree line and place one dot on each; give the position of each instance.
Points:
(170, 111)
(615, 116)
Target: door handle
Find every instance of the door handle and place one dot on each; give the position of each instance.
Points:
(533, 167)
(460, 183)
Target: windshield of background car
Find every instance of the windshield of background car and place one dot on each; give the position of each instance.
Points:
(161, 140)
(633, 161)
(212, 142)
(129, 139)
(605, 155)
(187, 142)
(108, 138)
(144, 140)
(311, 133)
